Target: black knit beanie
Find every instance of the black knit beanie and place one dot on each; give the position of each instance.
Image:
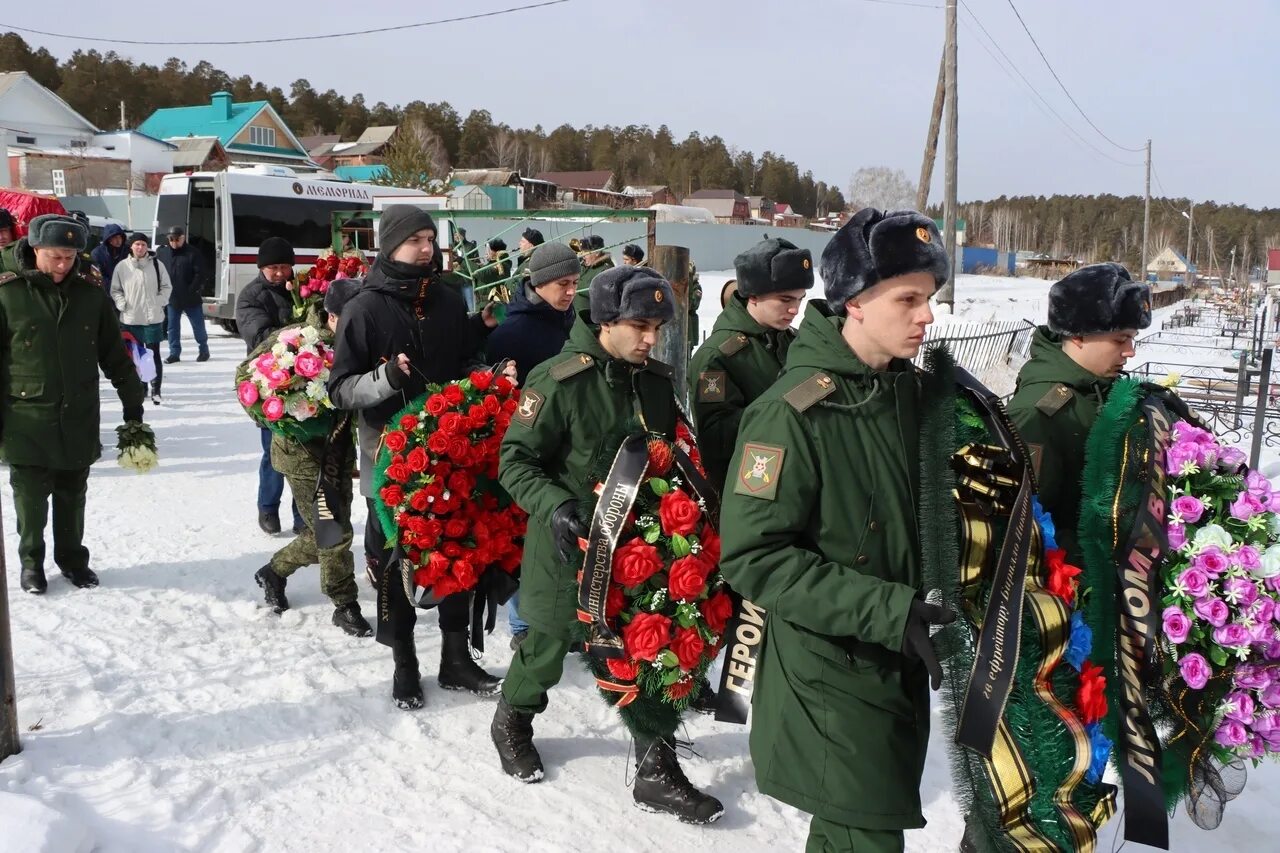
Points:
(399, 222)
(275, 250)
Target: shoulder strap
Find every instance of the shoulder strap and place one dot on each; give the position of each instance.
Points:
(570, 367)
(6, 277)
(735, 344)
(817, 387)
(1053, 401)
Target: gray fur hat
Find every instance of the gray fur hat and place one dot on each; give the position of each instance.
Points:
(551, 261)
(339, 294)
(54, 231)
(877, 245)
(1099, 298)
(631, 293)
(772, 266)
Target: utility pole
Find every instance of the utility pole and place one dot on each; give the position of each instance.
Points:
(9, 744)
(1191, 214)
(947, 296)
(1146, 216)
(931, 138)
(124, 124)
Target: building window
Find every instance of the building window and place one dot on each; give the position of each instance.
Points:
(262, 136)
(26, 140)
(80, 143)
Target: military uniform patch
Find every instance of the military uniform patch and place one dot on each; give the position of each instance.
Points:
(530, 405)
(759, 470)
(711, 386)
(1052, 402)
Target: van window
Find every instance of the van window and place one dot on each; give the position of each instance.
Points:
(171, 210)
(304, 223)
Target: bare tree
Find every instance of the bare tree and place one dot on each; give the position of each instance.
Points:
(882, 188)
(504, 149)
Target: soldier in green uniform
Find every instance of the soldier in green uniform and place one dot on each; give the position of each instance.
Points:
(694, 302)
(821, 528)
(300, 463)
(595, 260)
(748, 346)
(57, 329)
(571, 414)
(1094, 315)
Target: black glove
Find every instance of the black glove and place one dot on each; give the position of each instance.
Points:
(566, 529)
(916, 644)
(395, 376)
(132, 413)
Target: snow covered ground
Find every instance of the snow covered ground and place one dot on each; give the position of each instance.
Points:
(167, 710)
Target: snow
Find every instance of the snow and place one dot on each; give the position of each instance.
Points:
(168, 710)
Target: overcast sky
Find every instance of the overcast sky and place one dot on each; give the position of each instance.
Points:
(831, 84)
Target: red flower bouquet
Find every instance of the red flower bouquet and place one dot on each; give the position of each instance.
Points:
(665, 598)
(436, 477)
(309, 286)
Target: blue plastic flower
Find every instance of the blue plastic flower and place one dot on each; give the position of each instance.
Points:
(1047, 531)
(1080, 643)
(1099, 753)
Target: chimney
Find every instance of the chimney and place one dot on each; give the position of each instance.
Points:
(221, 106)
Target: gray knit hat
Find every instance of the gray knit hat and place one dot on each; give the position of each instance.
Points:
(631, 293)
(53, 231)
(551, 261)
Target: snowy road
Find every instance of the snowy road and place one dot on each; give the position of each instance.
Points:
(167, 710)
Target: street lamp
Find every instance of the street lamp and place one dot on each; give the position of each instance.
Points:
(1190, 217)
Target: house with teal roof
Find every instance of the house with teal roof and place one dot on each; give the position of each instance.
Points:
(251, 132)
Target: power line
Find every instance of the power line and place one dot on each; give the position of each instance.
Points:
(1063, 86)
(904, 3)
(1029, 85)
(281, 40)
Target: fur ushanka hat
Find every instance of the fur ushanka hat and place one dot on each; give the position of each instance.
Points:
(877, 245)
(1099, 298)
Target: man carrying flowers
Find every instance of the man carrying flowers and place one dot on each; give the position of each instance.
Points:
(575, 412)
(58, 329)
(300, 463)
(822, 529)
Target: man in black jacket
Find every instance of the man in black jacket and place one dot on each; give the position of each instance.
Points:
(401, 331)
(187, 273)
(262, 307)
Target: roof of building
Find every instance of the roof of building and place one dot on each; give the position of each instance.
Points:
(370, 142)
(781, 208)
(193, 151)
(312, 142)
(360, 173)
(10, 79)
(223, 119)
(484, 177)
(597, 180)
(721, 208)
(703, 195)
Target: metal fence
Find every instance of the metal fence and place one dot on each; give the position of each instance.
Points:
(978, 347)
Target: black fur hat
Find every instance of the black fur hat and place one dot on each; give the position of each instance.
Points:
(498, 244)
(772, 266)
(633, 252)
(631, 293)
(53, 231)
(534, 236)
(877, 245)
(1099, 298)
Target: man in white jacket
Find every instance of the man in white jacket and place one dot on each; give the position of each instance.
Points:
(140, 288)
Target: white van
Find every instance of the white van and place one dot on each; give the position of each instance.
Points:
(228, 214)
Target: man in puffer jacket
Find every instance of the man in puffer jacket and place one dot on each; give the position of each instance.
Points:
(140, 289)
(112, 250)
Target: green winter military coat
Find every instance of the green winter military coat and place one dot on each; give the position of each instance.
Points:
(1054, 407)
(53, 340)
(582, 302)
(820, 527)
(574, 411)
(735, 365)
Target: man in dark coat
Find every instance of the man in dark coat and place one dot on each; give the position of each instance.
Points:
(1094, 315)
(571, 411)
(7, 226)
(187, 273)
(595, 260)
(111, 251)
(821, 528)
(402, 331)
(261, 308)
(748, 346)
(57, 329)
(535, 329)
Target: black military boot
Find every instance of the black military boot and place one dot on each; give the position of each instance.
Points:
(349, 618)
(512, 733)
(406, 683)
(704, 699)
(269, 521)
(33, 581)
(458, 671)
(81, 578)
(272, 589)
(661, 785)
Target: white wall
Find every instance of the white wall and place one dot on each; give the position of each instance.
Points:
(27, 111)
(146, 154)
